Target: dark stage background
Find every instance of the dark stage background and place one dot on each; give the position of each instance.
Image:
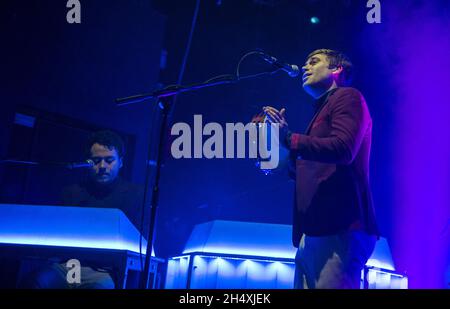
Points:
(66, 77)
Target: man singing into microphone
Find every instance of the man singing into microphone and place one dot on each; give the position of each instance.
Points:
(334, 224)
(102, 189)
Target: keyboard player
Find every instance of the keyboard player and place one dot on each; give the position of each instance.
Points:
(103, 188)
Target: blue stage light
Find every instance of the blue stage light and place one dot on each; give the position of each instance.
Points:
(314, 20)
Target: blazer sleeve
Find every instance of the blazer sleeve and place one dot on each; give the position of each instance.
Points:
(349, 119)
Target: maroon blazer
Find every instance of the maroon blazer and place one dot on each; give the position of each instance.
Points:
(332, 168)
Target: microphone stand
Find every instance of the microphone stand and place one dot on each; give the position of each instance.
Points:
(68, 165)
(164, 99)
(172, 91)
(19, 162)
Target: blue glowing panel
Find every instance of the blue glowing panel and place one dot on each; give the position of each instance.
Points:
(85, 227)
(379, 279)
(177, 272)
(242, 238)
(381, 256)
(214, 272)
(261, 239)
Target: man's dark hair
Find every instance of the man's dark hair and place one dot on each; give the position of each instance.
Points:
(337, 59)
(109, 139)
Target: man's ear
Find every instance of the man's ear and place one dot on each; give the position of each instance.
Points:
(337, 70)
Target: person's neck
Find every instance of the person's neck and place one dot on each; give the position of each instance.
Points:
(319, 93)
(104, 187)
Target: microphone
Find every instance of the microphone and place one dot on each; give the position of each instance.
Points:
(82, 164)
(291, 69)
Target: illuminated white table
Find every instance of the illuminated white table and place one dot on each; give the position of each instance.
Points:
(102, 235)
(231, 254)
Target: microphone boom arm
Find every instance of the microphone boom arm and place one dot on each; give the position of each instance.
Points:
(215, 81)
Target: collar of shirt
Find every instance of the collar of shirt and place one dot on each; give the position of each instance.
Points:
(320, 102)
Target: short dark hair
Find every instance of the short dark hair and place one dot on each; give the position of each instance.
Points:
(107, 138)
(337, 59)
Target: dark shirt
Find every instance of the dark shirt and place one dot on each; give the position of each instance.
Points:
(320, 102)
(120, 194)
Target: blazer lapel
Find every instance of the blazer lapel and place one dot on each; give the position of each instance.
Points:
(320, 108)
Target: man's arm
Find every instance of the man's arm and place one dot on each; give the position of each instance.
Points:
(349, 120)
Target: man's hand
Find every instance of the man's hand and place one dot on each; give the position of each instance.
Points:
(259, 118)
(275, 116)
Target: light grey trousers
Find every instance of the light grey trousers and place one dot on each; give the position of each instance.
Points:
(332, 262)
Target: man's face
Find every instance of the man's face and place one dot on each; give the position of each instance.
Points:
(317, 76)
(107, 164)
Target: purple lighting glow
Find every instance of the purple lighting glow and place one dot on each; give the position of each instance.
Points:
(418, 39)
